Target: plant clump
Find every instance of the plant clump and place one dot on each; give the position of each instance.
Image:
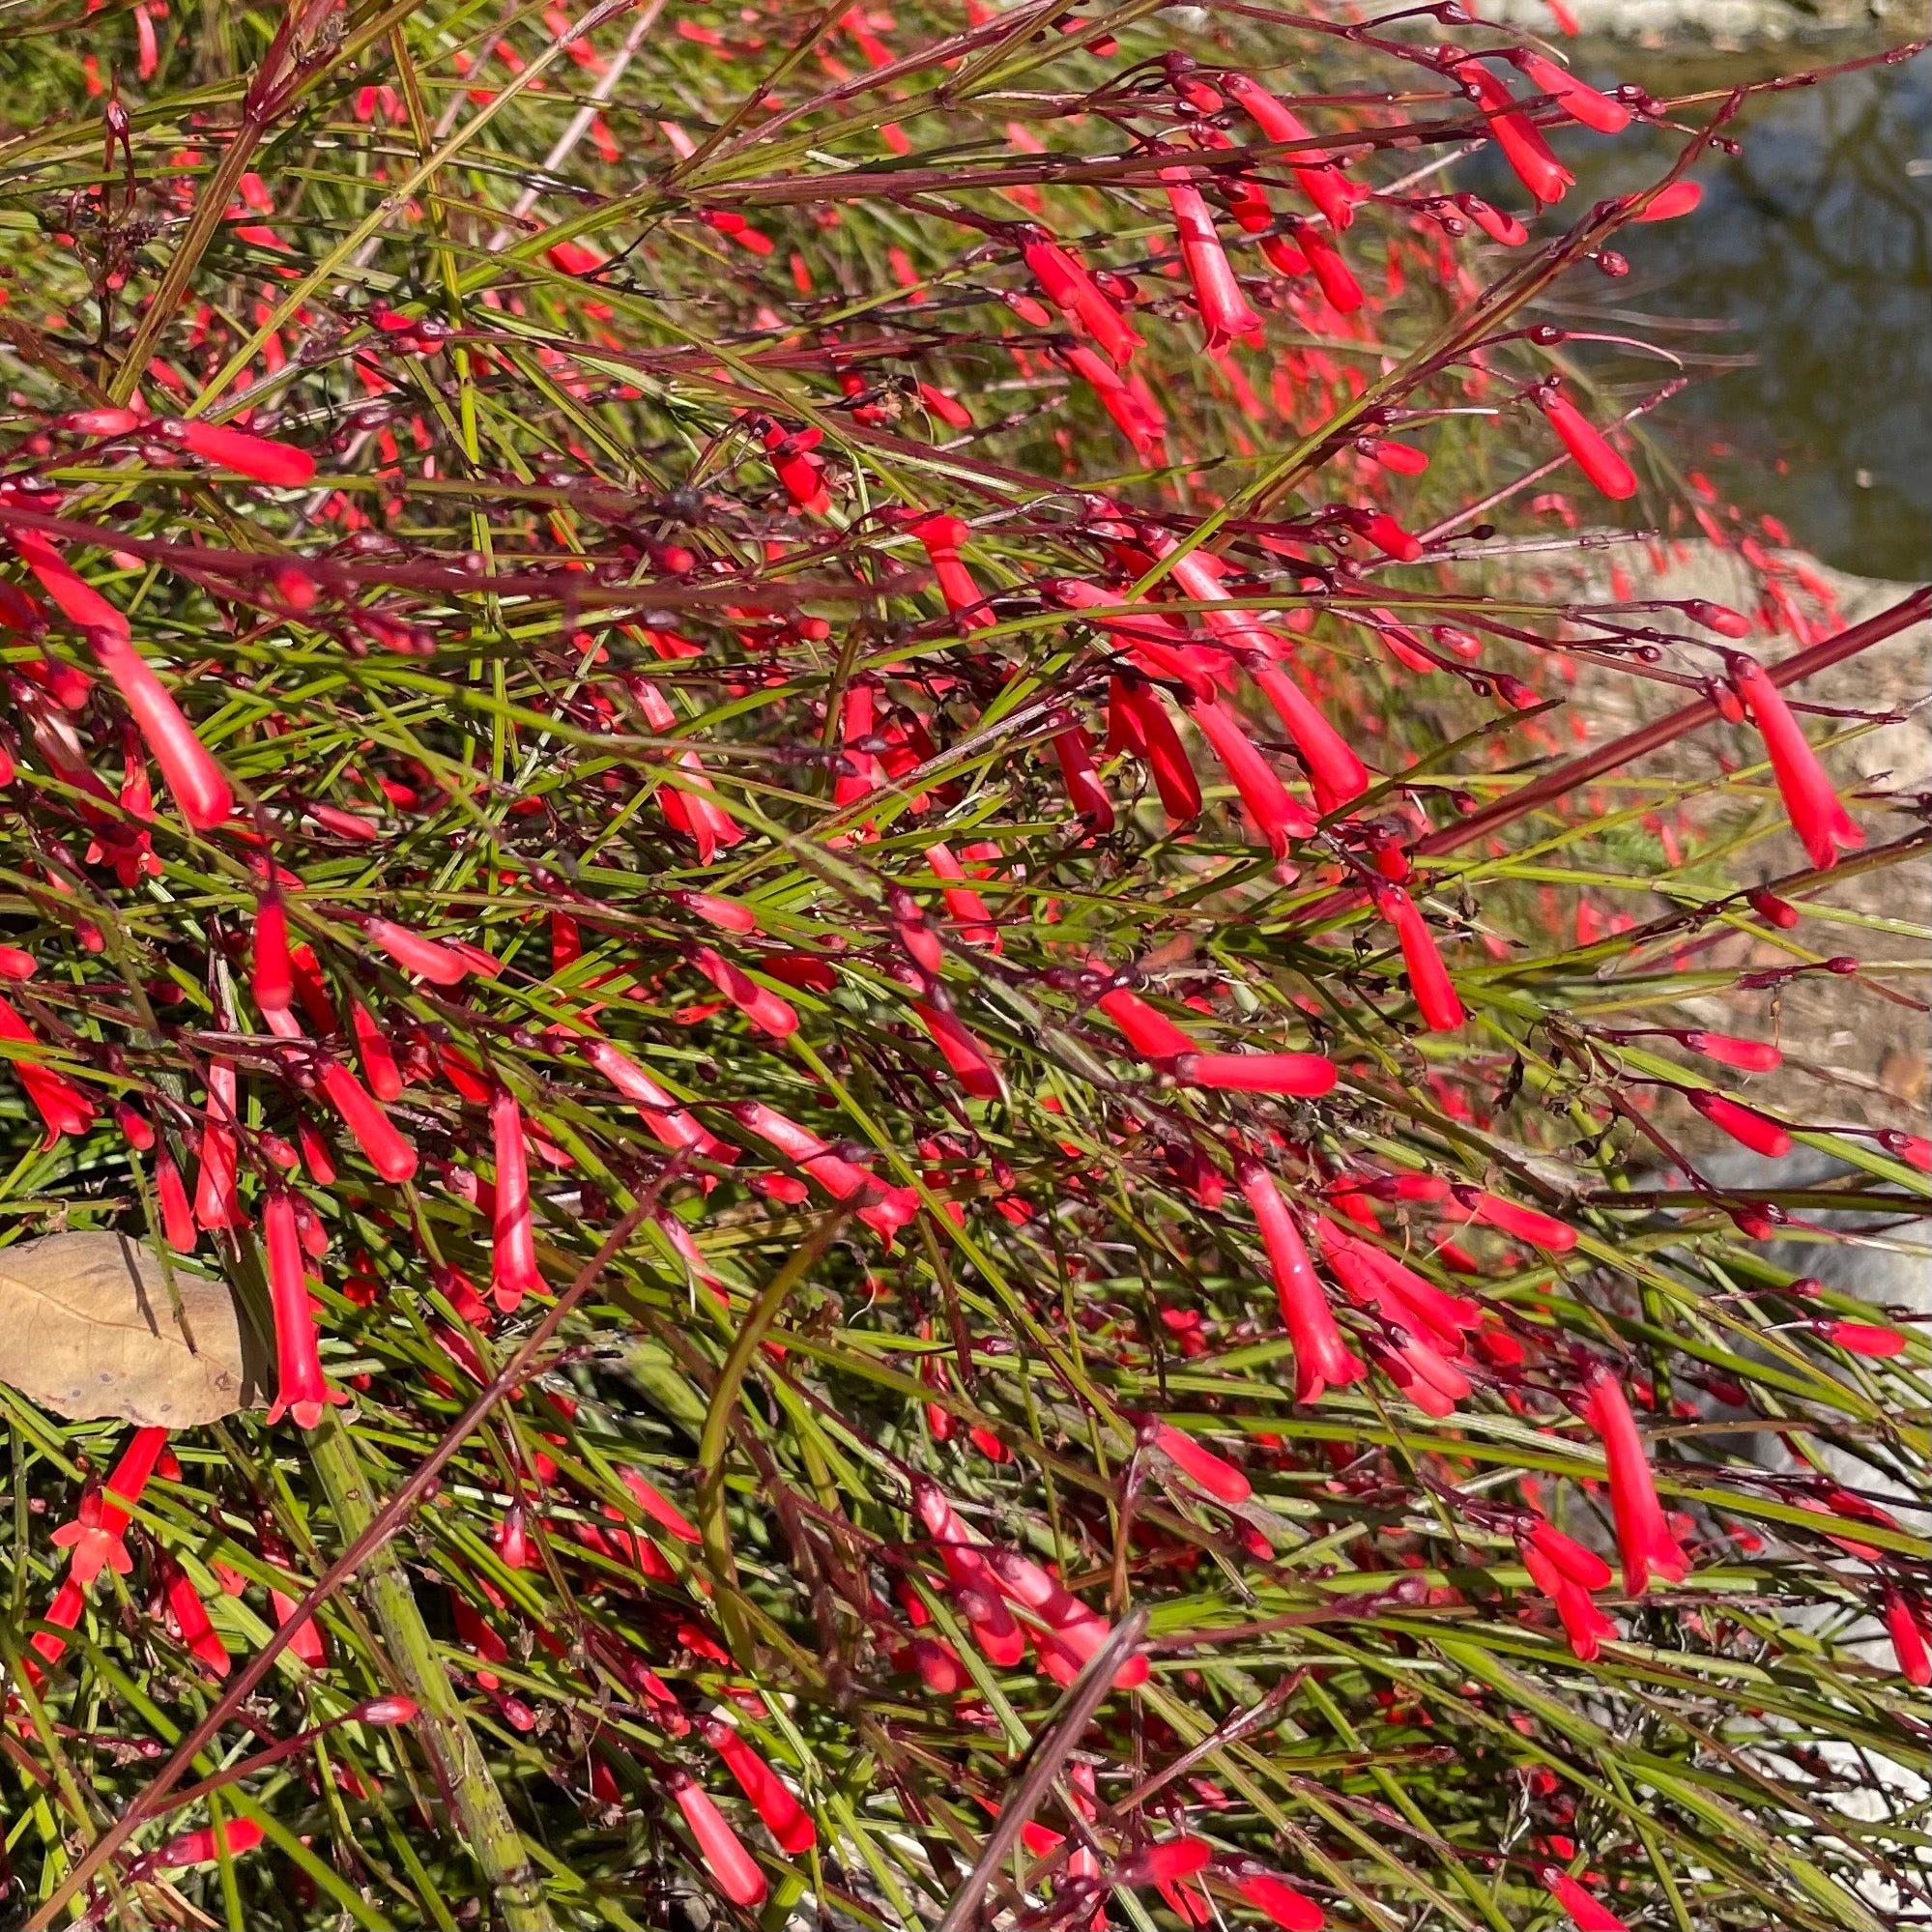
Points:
(792, 775)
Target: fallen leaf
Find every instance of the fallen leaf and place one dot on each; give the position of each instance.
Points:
(87, 1329)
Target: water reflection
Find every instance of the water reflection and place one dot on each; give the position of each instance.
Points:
(1815, 243)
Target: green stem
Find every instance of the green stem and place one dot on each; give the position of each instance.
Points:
(464, 1772)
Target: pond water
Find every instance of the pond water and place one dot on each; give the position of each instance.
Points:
(1814, 244)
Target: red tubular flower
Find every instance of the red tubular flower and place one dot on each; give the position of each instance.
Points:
(889, 1210)
(272, 982)
(1087, 795)
(1746, 1125)
(942, 537)
(1322, 1357)
(1581, 103)
(1378, 1279)
(1642, 1534)
(659, 1506)
(373, 1050)
(62, 1105)
(662, 1114)
(962, 901)
(723, 1851)
(388, 1153)
(513, 1269)
(1585, 1909)
(770, 1797)
(1495, 222)
(1524, 147)
(1163, 1863)
(1158, 643)
(300, 1389)
(1435, 994)
(1567, 1573)
(1753, 1057)
(763, 1007)
(193, 776)
(1149, 1031)
(1338, 283)
(972, 1584)
(177, 1218)
(1315, 174)
(200, 1848)
(1862, 1337)
(215, 1201)
(803, 474)
(1079, 1634)
(974, 1067)
(693, 808)
(1334, 770)
(190, 1618)
(1141, 709)
(1675, 198)
(1526, 1223)
(1276, 815)
(95, 1535)
(415, 954)
(1072, 291)
(1817, 814)
(64, 1613)
(282, 464)
(1910, 1626)
(306, 1642)
(1386, 535)
(1280, 1903)
(1305, 1075)
(1130, 414)
(1402, 457)
(1223, 309)
(1567, 1557)
(1212, 1473)
(1586, 443)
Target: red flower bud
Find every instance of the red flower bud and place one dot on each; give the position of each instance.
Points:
(1305, 1075)
(426, 958)
(1585, 442)
(280, 464)
(1746, 1125)
(1428, 979)
(763, 1007)
(1219, 1478)
(1585, 1909)
(199, 1848)
(513, 1269)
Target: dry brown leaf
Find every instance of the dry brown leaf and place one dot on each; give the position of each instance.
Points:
(87, 1329)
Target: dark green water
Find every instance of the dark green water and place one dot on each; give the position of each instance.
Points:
(1814, 244)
